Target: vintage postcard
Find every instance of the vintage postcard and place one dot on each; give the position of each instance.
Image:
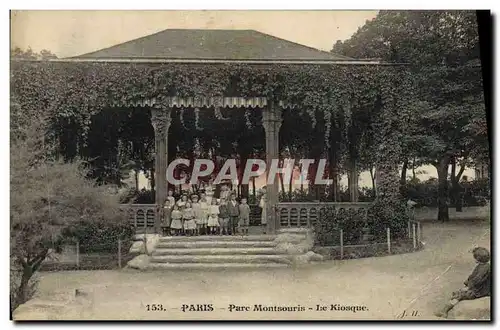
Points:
(249, 165)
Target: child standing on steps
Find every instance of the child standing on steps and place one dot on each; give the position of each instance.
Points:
(477, 285)
(213, 217)
(170, 197)
(197, 214)
(223, 217)
(182, 202)
(189, 222)
(204, 214)
(234, 213)
(167, 210)
(244, 221)
(176, 223)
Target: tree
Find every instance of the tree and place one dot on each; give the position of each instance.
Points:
(443, 49)
(47, 196)
(29, 54)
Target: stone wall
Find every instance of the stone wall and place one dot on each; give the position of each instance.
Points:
(138, 247)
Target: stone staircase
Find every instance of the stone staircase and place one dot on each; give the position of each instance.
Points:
(217, 252)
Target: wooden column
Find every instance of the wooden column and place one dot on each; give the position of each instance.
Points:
(160, 119)
(271, 120)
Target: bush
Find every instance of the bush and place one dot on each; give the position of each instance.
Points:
(473, 193)
(332, 220)
(98, 236)
(355, 222)
(134, 196)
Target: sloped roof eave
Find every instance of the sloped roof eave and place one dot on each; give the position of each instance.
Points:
(201, 44)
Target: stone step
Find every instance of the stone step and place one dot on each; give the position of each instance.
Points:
(213, 244)
(215, 266)
(294, 230)
(214, 251)
(217, 238)
(205, 259)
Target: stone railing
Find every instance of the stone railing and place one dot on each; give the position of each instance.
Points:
(305, 214)
(140, 216)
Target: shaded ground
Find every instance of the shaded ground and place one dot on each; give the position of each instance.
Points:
(415, 283)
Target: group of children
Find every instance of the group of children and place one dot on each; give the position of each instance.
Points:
(205, 215)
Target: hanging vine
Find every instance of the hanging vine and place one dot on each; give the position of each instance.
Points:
(81, 90)
(197, 119)
(248, 122)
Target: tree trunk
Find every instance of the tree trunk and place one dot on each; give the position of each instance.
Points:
(403, 173)
(335, 182)
(23, 290)
(244, 190)
(456, 188)
(413, 169)
(136, 179)
(301, 180)
(253, 187)
(372, 176)
(243, 187)
(282, 184)
(153, 180)
(290, 186)
(217, 190)
(352, 180)
(442, 169)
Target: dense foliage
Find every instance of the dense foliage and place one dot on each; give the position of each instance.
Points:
(448, 127)
(336, 102)
(47, 196)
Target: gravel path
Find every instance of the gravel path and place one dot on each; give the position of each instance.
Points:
(415, 283)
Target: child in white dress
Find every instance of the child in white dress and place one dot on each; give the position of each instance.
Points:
(189, 222)
(204, 214)
(171, 197)
(182, 202)
(213, 217)
(176, 223)
(209, 193)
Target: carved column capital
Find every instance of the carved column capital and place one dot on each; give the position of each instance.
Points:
(272, 118)
(161, 119)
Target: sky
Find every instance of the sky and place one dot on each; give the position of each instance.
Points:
(70, 33)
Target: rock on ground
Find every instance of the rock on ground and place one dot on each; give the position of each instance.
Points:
(140, 262)
(289, 238)
(137, 247)
(151, 241)
(314, 256)
(306, 258)
(292, 249)
(69, 305)
(477, 309)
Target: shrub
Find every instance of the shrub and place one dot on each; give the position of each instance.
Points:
(473, 193)
(354, 222)
(134, 196)
(48, 196)
(98, 236)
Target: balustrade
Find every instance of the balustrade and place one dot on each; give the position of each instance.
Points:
(305, 214)
(140, 216)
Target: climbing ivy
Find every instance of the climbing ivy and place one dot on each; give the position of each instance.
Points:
(357, 99)
(80, 90)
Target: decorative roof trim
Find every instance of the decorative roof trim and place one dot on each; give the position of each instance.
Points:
(205, 102)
